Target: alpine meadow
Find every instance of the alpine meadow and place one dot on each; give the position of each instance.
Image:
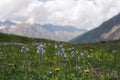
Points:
(60, 61)
(59, 39)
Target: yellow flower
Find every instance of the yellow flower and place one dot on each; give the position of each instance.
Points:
(57, 69)
(30, 78)
(86, 70)
(10, 64)
(91, 50)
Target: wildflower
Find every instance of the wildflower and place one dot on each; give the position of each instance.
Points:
(1, 51)
(114, 51)
(65, 56)
(72, 53)
(72, 48)
(76, 52)
(57, 69)
(40, 48)
(50, 72)
(86, 70)
(30, 78)
(58, 53)
(62, 50)
(24, 48)
(89, 56)
(10, 64)
(78, 67)
(82, 53)
(91, 50)
(69, 49)
(56, 46)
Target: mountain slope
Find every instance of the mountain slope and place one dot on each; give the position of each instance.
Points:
(47, 31)
(109, 30)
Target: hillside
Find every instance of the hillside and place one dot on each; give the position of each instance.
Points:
(109, 30)
(9, 38)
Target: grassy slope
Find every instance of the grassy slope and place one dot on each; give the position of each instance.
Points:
(20, 39)
(104, 63)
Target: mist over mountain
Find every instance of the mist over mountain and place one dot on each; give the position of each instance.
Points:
(47, 31)
(53, 28)
(109, 30)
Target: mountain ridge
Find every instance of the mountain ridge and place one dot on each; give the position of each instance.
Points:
(47, 31)
(109, 30)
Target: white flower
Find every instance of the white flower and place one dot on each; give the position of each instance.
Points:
(1, 53)
(24, 48)
(55, 45)
(69, 49)
(62, 49)
(50, 72)
(40, 49)
(89, 56)
(64, 55)
(72, 53)
(82, 53)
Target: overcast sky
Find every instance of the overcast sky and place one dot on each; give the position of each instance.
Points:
(79, 13)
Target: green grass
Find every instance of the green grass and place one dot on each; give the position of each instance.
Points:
(20, 39)
(103, 64)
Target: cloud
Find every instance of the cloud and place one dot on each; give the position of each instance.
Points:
(15, 9)
(80, 13)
